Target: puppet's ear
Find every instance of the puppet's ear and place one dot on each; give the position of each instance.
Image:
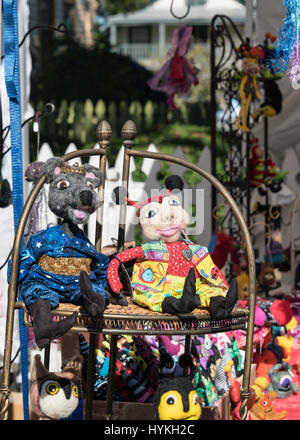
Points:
(93, 174)
(174, 182)
(38, 370)
(119, 195)
(73, 368)
(52, 168)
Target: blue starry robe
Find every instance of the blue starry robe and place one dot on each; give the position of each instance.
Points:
(36, 283)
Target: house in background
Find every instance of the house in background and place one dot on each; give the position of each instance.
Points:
(145, 35)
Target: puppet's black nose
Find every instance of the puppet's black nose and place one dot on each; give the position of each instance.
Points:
(86, 197)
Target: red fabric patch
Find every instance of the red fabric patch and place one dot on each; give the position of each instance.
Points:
(282, 312)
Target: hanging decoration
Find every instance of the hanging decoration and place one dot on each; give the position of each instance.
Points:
(251, 57)
(264, 171)
(287, 45)
(178, 73)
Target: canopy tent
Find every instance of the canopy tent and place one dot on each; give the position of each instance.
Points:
(159, 12)
(284, 129)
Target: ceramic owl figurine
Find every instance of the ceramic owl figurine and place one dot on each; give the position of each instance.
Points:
(54, 396)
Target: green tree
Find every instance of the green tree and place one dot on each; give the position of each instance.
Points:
(118, 6)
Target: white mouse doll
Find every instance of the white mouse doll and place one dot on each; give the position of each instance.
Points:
(171, 274)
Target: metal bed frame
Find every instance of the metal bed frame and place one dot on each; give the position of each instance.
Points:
(132, 319)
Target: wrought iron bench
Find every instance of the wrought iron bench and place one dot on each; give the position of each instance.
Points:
(132, 319)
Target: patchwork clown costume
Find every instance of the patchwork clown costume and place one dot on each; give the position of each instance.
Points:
(161, 270)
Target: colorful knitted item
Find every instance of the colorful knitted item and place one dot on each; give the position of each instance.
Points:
(221, 380)
(236, 356)
(205, 387)
(206, 351)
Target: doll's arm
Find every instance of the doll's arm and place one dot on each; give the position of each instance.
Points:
(112, 271)
(28, 257)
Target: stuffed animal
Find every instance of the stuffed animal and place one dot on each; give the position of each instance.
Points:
(281, 380)
(243, 285)
(235, 394)
(262, 409)
(248, 86)
(55, 395)
(172, 274)
(60, 264)
(264, 171)
(267, 278)
(177, 399)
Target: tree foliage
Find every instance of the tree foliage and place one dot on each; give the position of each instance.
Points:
(72, 72)
(118, 6)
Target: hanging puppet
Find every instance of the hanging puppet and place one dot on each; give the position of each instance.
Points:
(59, 263)
(251, 57)
(171, 274)
(264, 171)
(272, 103)
(178, 74)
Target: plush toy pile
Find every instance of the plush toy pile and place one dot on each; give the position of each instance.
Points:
(276, 354)
(143, 361)
(214, 365)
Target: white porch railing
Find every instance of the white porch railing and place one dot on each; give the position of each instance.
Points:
(143, 51)
(139, 51)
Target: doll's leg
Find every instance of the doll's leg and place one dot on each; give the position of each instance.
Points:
(238, 121)
(93, 302)
(246, 112)
(220, 307)
(40, 301)
(187, 302)
(45, 329)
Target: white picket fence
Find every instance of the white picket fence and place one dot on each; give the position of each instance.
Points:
(137, 191)
(286, 198)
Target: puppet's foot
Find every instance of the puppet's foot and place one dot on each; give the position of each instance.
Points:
(188, 301)
(45, 329)
(220, 307)
(93, 302)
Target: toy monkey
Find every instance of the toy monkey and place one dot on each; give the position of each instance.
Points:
(171, 274)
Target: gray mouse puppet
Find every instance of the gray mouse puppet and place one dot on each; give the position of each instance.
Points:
(59, 263)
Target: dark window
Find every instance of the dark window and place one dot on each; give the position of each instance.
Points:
(200, 33)
(140, 34)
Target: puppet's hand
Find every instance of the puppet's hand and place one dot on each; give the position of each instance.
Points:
(113, 276)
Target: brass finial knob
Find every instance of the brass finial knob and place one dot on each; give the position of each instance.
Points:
(103, 133)
(128, 133)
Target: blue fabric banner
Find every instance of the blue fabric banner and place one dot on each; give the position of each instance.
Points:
(12, 81)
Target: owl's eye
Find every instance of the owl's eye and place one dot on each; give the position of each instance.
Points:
(90, 185)
(52, 388)
(171, 400)
(75, 390)
(63, 184)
